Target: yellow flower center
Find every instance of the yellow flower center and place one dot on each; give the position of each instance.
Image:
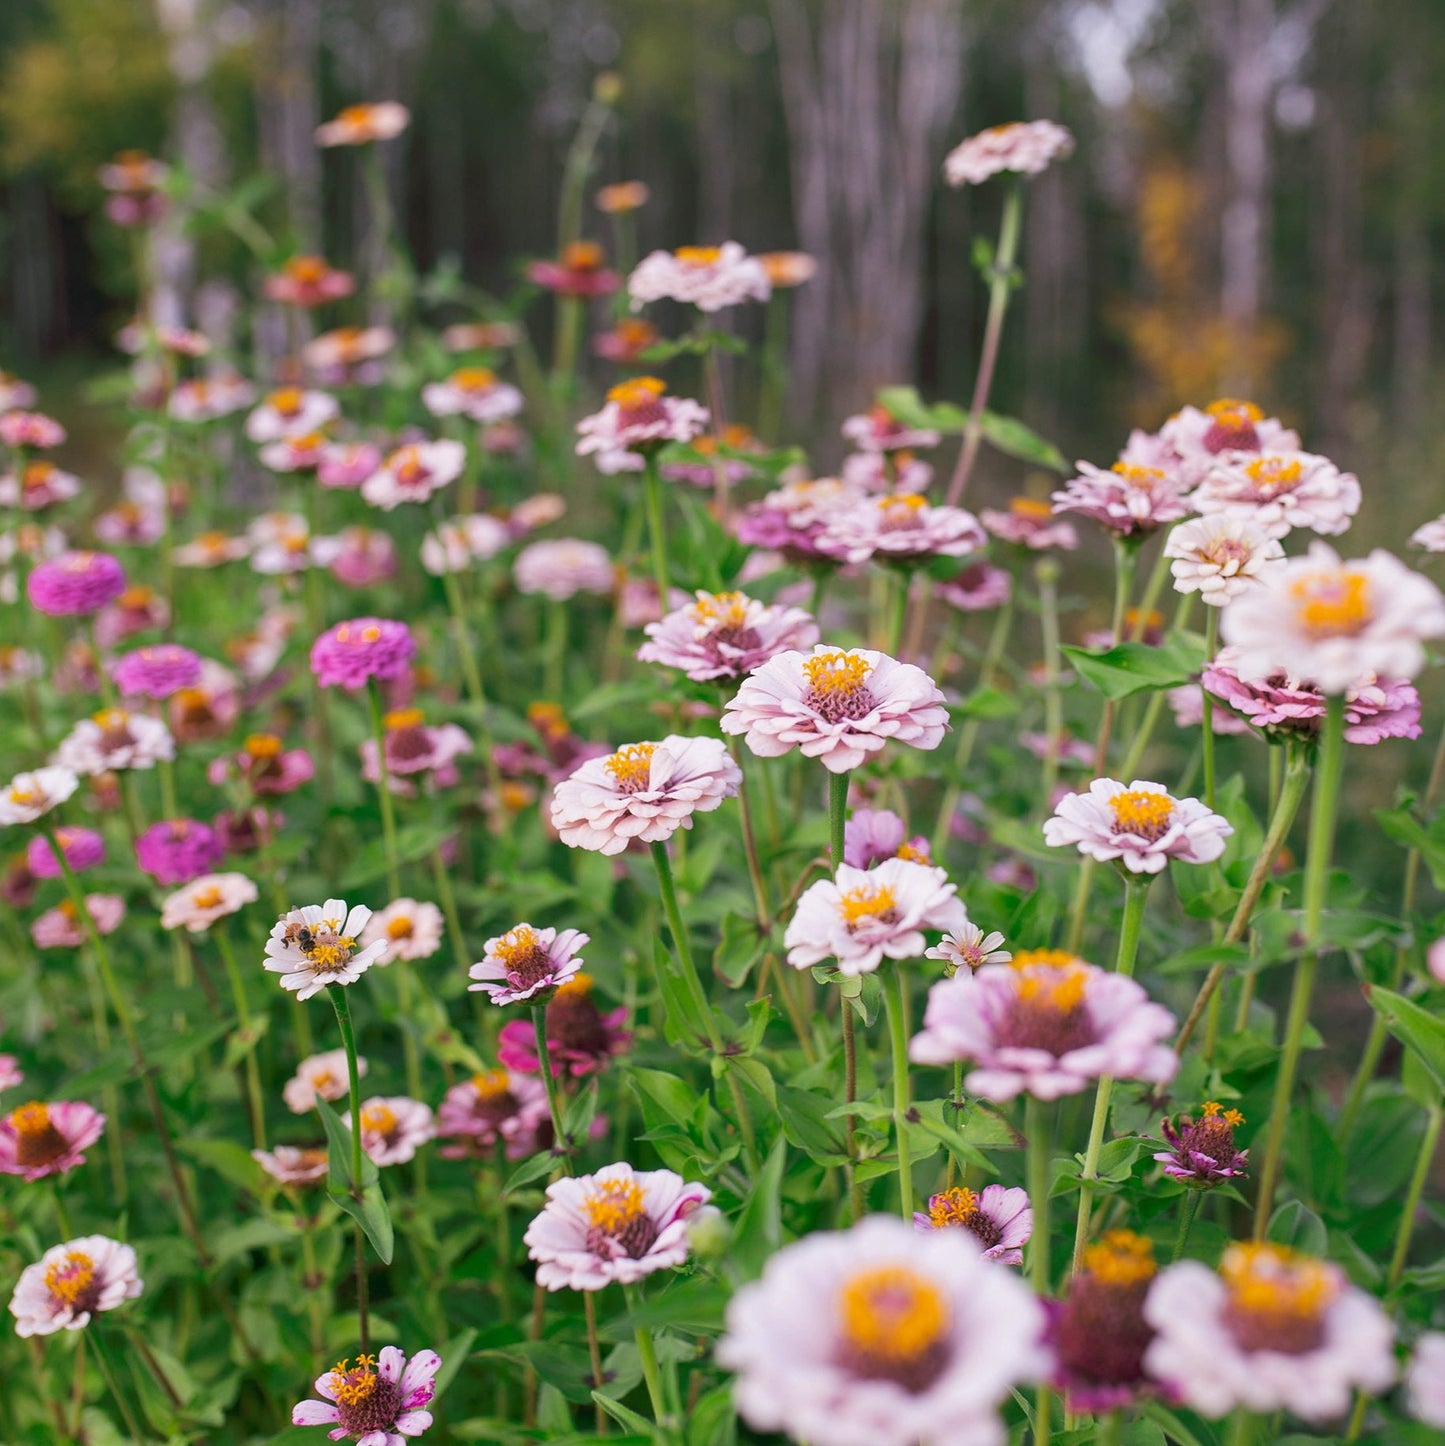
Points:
(400, 718)
(1333, 603)
(722, 609)
(1275, 1283)
(23, 797)
(632, 766)
(830, 674)
(698, 255)
(613, 1205)
(262, 745)
(1121, 1258)
(287, 401)
(1273, 474)
(1032, 507)
(136, 597)
(636, 393)
(892, 1315)
(583, 256)
(400, 927)
(579, 986)
(70, 1278)
(37, 474)
(1142, 811)
(953, 1207)
(111, 720)
(1233, 412)
(29, 1121)
(914, 853)
(1136, 476)
(868, 901)
(517, 944)
(474, 379)
(351, 1387)
(307, 269)
(378, 1119)
(207, 898)
(491, 1084)
(357, 115)
(1051, 979)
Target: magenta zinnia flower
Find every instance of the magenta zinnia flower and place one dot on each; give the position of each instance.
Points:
(836, 705)
(645, 791)
(349, 654)
(156, 672)
(525, 962)
(37, 1139)
(724, 635)
(1201, 1152)
(60, 927)
(72, 1282)
(381, 1400)
(998, 1218)
(498, 1104)
(874, 834)
(75, 584)
(619, 1224)
(177, 850)
(1044, 1024)
(1142, 825)
(581, 1039)
(82, 848)
(639, 417)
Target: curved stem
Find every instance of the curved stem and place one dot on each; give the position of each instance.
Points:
(243, 1017)
(647, 1354)
(383, 789)
(342, 1006)
(1046, 573)
(1188, 1209)
(897, 1001)
(1411, 1207)
(112, 1383)
(594, 1356)
(554, 1101)
(656, 527)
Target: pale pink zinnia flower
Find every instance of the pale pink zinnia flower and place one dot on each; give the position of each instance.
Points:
(409, 929)
(1187, 444)
(38, 485)
(29, 796)
(204, 900)
(30, 429)
(862, 916)
(413, 748)
(1426, 1379)
(980, 587)
(308, 281)
(878, 430)
(381, 1400)
(211, 549)
(639, 416)
(472, 392)
(1044, 1024)
(358, 125)
(872, 835)
(393, 1128)
(156, 671)
(645, 791)
(207, 399)
(997, 1217)
(901, 527)
(72, 1282)
(60, 927)
(710, 278)
(454, 546)
(1141, 824)
(1025, 148)
(293, 1166)
(361, 556)
(1220, 556)
(1332, 621)
(413, 472)
(319, 1076)
(319, 945)
(1279, 491)
(113, 740)
(881, 1336)
(1030, 522)
(347, 464)
(619, 1224)
(1272, 1330)
(10, 1072)
(969, 948)
(526, 962)
(887, 471)
(1430, 535)
(291, 412)
(563, 568)
(1126, 500)
(38, 1139)
(349, 355)
(724, 635)
(836, 705)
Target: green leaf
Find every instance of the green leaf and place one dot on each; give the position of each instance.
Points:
(1137, 668)
(1298, 1227)
(625, 1416)
(338, 1157)
(230, 1161)
(1173, 1427)
(242, 1042)
(1402, 826)
(681, 1022)
(1009, 436)
(1415, 1028)
(371, 1214)
(415, 841)
(528, 1171)
(760, 1225)
(739, 948)
(808, 1123)
(933, 1121)
(988, 703)
(360, 1197)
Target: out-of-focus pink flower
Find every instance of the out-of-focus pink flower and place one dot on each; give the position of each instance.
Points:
(393, 1128)
(320, 1076)
(15, 393)
(61, 928)
(414, 472)
(902, 527)
(1024, 148)
(308, 281)
(409, 929)
(177, 850)
(1030, 522)
(29, 796)
(359, 125)
(211, 549)
(1140, 824)
(454, 546)
(581, 270)
(205, 900)
(1187, 445)
(473, 392)
(30, 430)
(72, 1282)
(638, 417)
(997, 1217)
(292, 1166)
(380, 1400)
(1187, 705)
(207, 710)
(878, 430)
(37, 1139)
(581, 1039)
(412, 748)
(10, 1072)
(82, 848)
(1126, 500)
(38, 485)
(626, 341)
(1426, 1379)
(725, 635)
(880, 472)
(710, 278)
(1430, 535)
(207, 399)
(156, 671)
(980, 587)
(75, 584)
(348, 356)
(291, 412)
(792, 518)
(622, 197)
(115, 739)
(563, 568)
(131, 523)
(874, 834)
(347, 464)
(497, 1104)
(363, 556)
(139, 609)
(299, 452)
(349, 654)
(1279, 491)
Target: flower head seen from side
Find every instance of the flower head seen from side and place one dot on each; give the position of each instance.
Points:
(581, 270)
(207, 899)
(997, 1217)
(1425, 1379)
(349, 654)
(492, 1105)
(1030, 522)
(618, 1225)
(1430, 536)
(1332, 621)
(308, 281)
(81, 849)
(563, 567)
(1220, 556)
(837, 705)
(1097, 1329)
(1191, 441)
(639, 416)
(291, 412)
(393, 1128)
(359, 125)
(969, 948)
(38, 1139)
(413, 473)
(1280, 491)
(380, 1400)
(881, 1336)
(1045, 1024)
(860, 917)
(1127, 500)
(878, 430)
(409, 929)
(320, 1076)
(1023, 148)
(644, 791)
(61, 927)
(902, 528)
(476, 393)
(293, 1165)
(72, 1282)
(1271, 1330)
(710, 278)
(1141, 825)
(75, 584)
(115, 739)
(319, 945)
(525, 963)
(725, 635)
(1202, 1152)
(581, 1039)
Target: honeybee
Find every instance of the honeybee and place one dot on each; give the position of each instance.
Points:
(306, 939)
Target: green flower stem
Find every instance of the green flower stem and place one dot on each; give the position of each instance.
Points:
(102, 677)
(837, 830)
(1001, 284)
(1136, 893)
(1036, 1128)
(1079, 908)
(1129, 768)
(1323, 809)
(656, 528)
(594, 1356)
(837, 816)
(554, 1100)
(1292, 791)
(968, 734)
(1111, 1429)
(1152, 589)
(166, 773)
(112, 1383)
(1211, 646)
(1188, 1209)
(1046, 573)
(555, 652)
(647, 1353)
(1411, 1208)
(900, 584)
(383, 789)
(342, 1006)
(447, 896)
(62, 1217)
(897, 1002)
(243, 1018)
(1126, 560)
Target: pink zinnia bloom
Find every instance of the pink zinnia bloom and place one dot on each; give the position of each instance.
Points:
(1220, 556)
(115, 739)
(1140, 824)
(901, 527)
(1332, 621)
(293, 1166)
(393, 1128)
(139, 609)
(862, 916)
(209, 709)
(156, 671)
(997, 1217)
(1030, 522)
(320, 944)
(299, 452)
(15, 394)
(1044, 1024)
(204, 900)
(880, 1336)
(619, 1224)
(978, 588)
(320, 1076)
(1126, 500)
(886, 471)
(639, 417)
(872, 835)
(1278, 491)
(10, 1072)
(1202, 1152)
(969, 948)
(878, 430)
(382, 1399)
(1426, 1379)
(60, 927)
(410, 930)
(75, 584)
(1188, 444)
(131, 523)
(1025, 148)
(580, 1038)
(291, 412)
(363, 557)
(72, 1282)
(454, 546)
(1187, 705)
(710, 278)
(82, 848)
(1273, 1330)
(1430, 535)
(29, 796)
(37, 1139)
(526, 962)
(358, 125)
(269, 768)
(724, 635)
(177, 850)
(212, 549)
(349, 356)
(472, 392)
(349, 654)
(497, 1104)
(414, 472)
(836, 705)
(580, 271)
(645, 791)
(793, 518)
(347, 464)
(560, 570)
(308, 281)
(30, 429)
(207, 399)
(39, 485)
(413, 748)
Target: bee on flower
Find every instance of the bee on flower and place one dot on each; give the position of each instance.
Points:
(319, 945)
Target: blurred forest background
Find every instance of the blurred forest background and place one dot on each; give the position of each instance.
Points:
(1254, 207)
